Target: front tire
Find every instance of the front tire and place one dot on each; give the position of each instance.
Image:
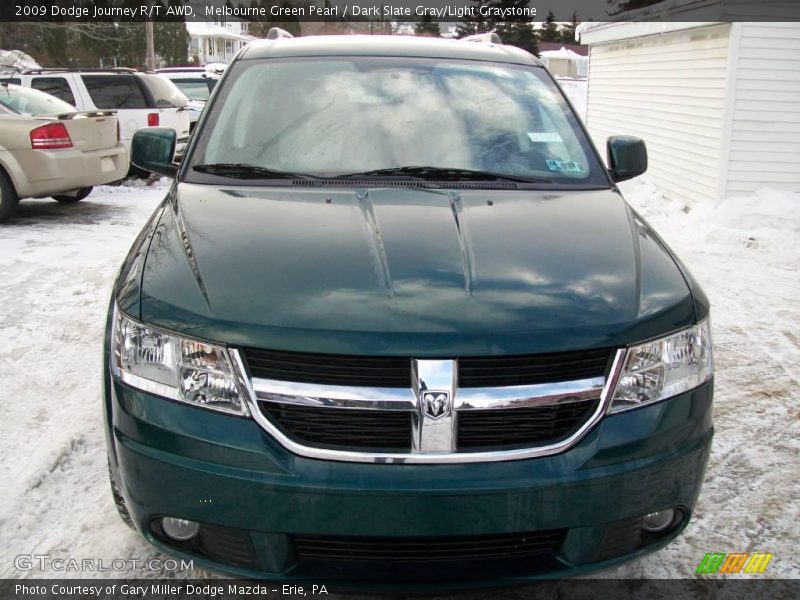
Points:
(79, 195)
(8, 197)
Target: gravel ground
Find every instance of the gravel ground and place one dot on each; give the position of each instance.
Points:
(58, 263)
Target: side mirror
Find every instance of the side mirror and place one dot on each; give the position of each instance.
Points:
(153, 149)
(627, 157)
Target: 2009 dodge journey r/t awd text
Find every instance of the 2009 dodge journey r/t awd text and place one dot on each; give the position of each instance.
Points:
(395, 325)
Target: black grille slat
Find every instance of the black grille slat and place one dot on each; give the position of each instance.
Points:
(490, 371)
(375, 430)
(363, 549)
(227, 545)
(331, 369)
(496, 429)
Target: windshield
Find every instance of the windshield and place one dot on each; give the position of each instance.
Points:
(164, 92)
(196, 88)
(351, 115)
(32, 102)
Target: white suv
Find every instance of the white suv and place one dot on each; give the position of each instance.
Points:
(140, 99)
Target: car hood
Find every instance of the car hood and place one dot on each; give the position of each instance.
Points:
(424, 272)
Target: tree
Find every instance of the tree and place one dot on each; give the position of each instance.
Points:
(620, 6)
(568, 31)
(518, 31)
(427, 26)
(290, 24)
(550, 33)
(470, 25)
(172, 42)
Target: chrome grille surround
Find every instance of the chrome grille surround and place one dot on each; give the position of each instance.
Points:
(433, 438)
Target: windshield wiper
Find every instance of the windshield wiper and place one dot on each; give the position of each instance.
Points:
(245, 171)
(446, 174)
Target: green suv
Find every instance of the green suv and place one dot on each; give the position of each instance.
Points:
(395, 325)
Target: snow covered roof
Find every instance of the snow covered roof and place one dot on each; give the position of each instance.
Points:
(200, 29)
(563, 54)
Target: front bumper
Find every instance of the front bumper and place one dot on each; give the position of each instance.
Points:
(175, 460)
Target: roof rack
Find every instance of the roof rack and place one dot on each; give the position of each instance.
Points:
(40, 70)
(490, 37)
(276, 32)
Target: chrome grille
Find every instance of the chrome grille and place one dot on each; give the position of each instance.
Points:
(432, 419)
(394, 371)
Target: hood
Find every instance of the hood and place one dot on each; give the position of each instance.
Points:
(410, 271)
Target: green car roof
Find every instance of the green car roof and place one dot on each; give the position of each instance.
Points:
(387, 45)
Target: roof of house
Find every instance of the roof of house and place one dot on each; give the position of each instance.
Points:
(562, 54)
(203, 29)
(580, 49)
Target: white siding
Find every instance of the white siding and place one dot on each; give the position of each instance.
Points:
(668, 89)
(764, 148)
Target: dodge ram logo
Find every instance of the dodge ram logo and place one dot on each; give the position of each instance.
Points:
(435, 404)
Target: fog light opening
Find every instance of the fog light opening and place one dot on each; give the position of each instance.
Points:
(180, 530)
(660, 521)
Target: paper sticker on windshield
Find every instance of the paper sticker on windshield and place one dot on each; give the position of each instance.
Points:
(545, 137)
(565, 166)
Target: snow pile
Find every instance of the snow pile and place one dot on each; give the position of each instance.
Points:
(136, 184)
(16, 60)
(767, 219)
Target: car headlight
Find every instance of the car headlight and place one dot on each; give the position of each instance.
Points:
(179, 368)
(664, 368)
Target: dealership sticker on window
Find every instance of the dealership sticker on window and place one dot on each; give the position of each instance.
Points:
(565, 166)
(545, 137)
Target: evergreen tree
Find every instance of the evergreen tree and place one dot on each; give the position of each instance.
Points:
(516, 32)
(427, 26)
(619, 6)
(568, 31)
(171, 42)
(290, 24)
(55, 45)
(470, 25)
(550, 33)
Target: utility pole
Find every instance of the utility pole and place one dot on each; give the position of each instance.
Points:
(150, 46)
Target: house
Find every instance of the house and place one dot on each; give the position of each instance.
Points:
(565, 60)
(216, 41)
(718, 103)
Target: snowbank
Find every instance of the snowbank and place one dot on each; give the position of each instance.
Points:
(768, 220)
(15, 60)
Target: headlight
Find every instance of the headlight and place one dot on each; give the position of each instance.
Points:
(162, 363)
(664, 368)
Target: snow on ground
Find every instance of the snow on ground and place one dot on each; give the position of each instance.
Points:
(58, 263)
